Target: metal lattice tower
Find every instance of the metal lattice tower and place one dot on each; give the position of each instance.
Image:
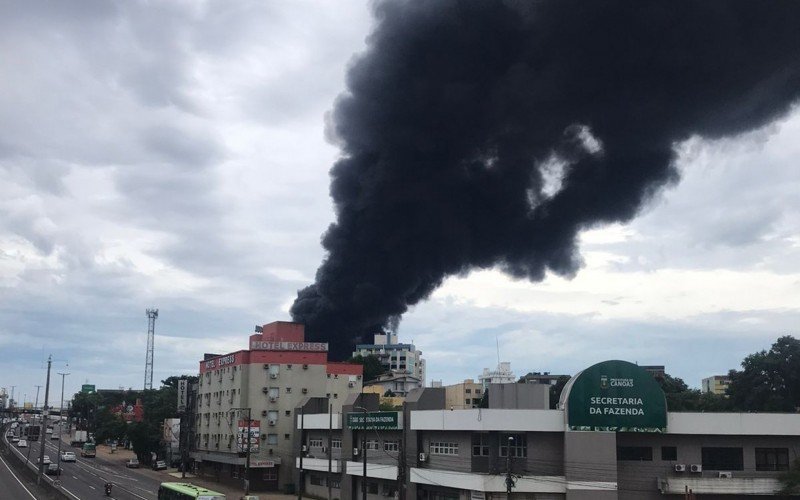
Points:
(152, 314)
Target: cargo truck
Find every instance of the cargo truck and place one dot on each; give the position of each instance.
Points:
(78, 438)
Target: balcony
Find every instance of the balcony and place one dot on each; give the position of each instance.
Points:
(719, 486)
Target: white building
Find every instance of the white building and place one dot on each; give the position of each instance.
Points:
(395, 357)
(502, 375)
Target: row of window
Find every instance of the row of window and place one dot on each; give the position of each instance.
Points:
(713, 458)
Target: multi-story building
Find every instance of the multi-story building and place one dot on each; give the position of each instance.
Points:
(466, 394)
(718, 384)
(394, 356)
(502, 375)
(546, 378)
(657, 371)
(398, 384)
(612, 438)
(266, 383)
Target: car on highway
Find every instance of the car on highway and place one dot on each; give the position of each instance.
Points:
(53, 470)
(46, 459)
(159, 465)
(22, 444)
(14, 439)
(67, 456)
(133, 463)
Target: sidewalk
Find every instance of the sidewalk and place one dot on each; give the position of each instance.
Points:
(122, 455)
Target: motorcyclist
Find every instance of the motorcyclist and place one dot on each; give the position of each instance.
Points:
(108, 488)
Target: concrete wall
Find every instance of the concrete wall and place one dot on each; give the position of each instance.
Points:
(519, 396)
(590, 465)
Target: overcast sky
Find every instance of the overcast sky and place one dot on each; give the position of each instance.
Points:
(173, 155)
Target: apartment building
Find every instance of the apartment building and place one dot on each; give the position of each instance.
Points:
(718, 384)
(501, 375)
(612, 437)
(254, 392)
(395, 357)
(466, 394)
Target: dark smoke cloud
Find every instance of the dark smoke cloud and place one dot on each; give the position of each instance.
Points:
(459, 113)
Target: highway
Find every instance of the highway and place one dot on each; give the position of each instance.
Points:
(11, 485)
(85, 478)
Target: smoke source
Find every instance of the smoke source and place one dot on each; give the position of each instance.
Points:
(488, 134)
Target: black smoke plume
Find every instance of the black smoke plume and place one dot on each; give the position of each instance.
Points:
(481, 134)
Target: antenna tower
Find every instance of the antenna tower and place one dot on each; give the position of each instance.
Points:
(152, 314)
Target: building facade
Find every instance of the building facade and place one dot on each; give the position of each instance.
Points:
(502, 375)
(612, 438)
(254, 392)
(394, 356)
(466, 394)
(718, 384)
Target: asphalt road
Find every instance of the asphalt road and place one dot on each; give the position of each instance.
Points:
(85, 479)
(11, 485)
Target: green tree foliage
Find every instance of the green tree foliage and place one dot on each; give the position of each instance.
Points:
(109, 426)
(681, 398)
(372, 366)
(790, 480)
(769, 380)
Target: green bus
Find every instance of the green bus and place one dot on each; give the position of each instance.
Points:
(186, 491)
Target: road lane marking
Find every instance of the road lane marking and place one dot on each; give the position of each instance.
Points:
(17, 479)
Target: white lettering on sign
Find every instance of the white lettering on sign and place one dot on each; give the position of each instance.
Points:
(221, 361)
(621, 382)
(615, 406)
(266, 345)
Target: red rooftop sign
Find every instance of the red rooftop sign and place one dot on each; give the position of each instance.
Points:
(267, 345)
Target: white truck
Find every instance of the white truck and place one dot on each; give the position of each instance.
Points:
(78, 438)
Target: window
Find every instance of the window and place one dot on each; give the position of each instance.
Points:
(390, 446)
(288, 390)
(772, 458)
(315, 443)
(288, 413)
(287, 436)
(477, 391)
(372, 444)
(270, 474)
(468, 391)
(288, 367)
(334, 482)
(468, 401)
(480, 445)
(272, 439)
(315, 480)
(440, 448)
(518, 445)
(336, 444)
(669, 453)
(722, 458)
(635, 453)
(372, 488)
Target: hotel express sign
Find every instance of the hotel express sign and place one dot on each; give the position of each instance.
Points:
(615, 396)
(266, 345)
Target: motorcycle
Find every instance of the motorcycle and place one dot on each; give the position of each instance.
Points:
(108, 489)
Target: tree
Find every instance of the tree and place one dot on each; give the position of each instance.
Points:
(790, 480)
(769, 380)
(372, 366)
(681, 398)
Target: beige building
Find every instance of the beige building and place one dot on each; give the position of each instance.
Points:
(395, 357)
(465, 395)
(269, 380)
(717, 384)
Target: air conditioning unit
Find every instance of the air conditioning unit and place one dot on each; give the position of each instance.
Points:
(725, 475)
(680, 468)
(265, 390)
(351, 384)
(266, 366)
(423, 457)
(304, 448)
(264, 413)
(263, 437)
(305, 391)
(272, 422)
(272, 399)
(269, 451)
(305, 367)
(355, 452)
(273, 375)
(696, 468)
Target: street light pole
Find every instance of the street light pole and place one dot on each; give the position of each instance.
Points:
(363, 453)
(45, 413)
(247, 451)
(61, 419)
(509, 480)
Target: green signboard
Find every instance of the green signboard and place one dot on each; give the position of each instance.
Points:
(615, 396)
(375, 420)
(87, 388)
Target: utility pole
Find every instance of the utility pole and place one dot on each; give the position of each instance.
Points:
(45, 412)
(247, 451)
(509, 478)
(302, 445)
(61, 419)
(363, 451)
(330, 448)
(35, 404)
(11, 403)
